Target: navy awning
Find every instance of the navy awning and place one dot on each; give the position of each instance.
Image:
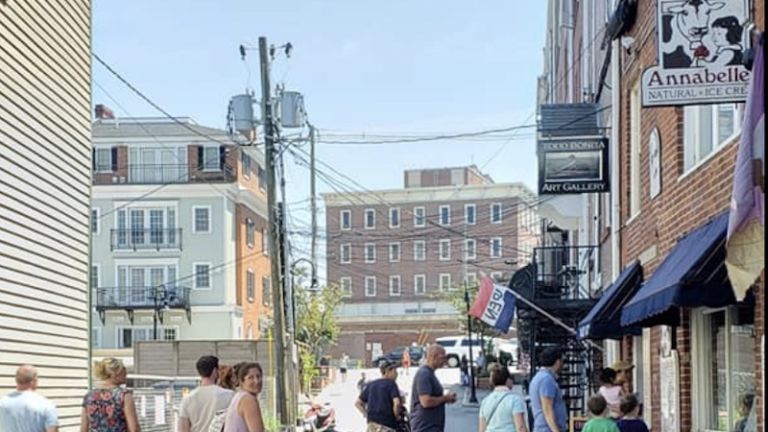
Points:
(692, 275)
(604, 320)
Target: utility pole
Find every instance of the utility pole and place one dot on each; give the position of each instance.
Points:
(278, 309)
(313, 204)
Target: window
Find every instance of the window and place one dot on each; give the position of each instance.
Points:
(95, 337)
(95, 278)
(445, 215)
(211, 159)
(394, 286)
(470, 214)
(707, 128)
(419, 250)
(370, 286)
(265, 241)
(635, 135)
(250, 232)
(394, 218)
(370, 219)
(497, 276)
(103, 162)
(266, 290)
(250, 285)
(445, 249)
(370, 252)
(246, 160)
(724, 367)
(346, 253)
(445, 281)
(127, 336)
(419, 217)
(95, 225)
(470, 249)
(262, 174)
(496, 247)
(471, 279)
(346, 286)
(201, 222)
(202, 275)
(394, 252)
(496, 215)
(345, 220)
(419, 284)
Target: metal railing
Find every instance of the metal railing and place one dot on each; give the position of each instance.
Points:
(178, 173)
(145, 238)
(142, 297)
(565, 272)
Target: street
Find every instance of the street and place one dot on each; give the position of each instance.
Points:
(341, 396)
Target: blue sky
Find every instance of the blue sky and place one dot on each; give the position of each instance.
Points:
(396, 67)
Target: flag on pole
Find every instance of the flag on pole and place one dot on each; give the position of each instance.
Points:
(746, 223)
(494, 305)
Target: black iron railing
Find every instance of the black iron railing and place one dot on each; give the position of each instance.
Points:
(142, 297)
(145, 238)
(135, 173)
(566, 272)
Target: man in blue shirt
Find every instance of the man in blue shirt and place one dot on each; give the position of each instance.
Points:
(427, 398)
(547, 404)
(24, 410)
(380, 401)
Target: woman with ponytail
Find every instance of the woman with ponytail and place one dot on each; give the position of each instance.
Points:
(109, 407)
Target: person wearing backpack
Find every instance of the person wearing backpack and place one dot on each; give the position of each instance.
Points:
(502, 410)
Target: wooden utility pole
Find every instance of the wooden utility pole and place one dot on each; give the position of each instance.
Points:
(313, 204)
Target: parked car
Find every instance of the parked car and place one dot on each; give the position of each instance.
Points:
(396, 355)
(456, 347)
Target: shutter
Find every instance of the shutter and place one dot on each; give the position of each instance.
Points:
(222, 156)
(93, 160)
(114, 159)
(200, 156)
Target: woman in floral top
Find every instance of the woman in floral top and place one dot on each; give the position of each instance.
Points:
(109, 408)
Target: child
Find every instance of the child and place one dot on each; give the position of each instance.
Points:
(630, 421)
(600, 422)
(611, 391)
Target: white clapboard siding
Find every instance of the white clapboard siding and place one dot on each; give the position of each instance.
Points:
(45, 188)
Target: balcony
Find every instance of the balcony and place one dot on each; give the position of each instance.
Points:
(141, 174)
(135, 239)
(133, 298)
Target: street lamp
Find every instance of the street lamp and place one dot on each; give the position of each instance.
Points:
(472, 394)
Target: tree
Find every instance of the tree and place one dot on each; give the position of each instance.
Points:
(455, 296)
(316, 326)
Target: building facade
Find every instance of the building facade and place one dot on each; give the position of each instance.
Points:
(178, 234)
(395, 253)
(45, 182)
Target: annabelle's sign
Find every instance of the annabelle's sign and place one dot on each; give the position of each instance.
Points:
(700, 50)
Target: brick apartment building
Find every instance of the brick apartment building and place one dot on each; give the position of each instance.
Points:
(697, 351)
(393, 252)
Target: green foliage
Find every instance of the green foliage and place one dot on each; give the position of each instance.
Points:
(316, 326)
(307, 363)
(456, 297)
(271, 422)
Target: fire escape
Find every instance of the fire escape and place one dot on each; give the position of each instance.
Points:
(560, 280)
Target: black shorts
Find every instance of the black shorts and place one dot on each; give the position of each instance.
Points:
(343, 370)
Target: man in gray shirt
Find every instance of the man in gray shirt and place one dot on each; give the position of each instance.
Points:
(24, 410)
(427, 398)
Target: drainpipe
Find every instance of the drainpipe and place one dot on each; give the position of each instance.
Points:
(612, 353)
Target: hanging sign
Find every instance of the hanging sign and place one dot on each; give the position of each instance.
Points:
(700, 45)
(573, 166)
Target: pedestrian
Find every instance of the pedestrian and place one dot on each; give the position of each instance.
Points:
(109, 407)
(600, 421)
(25, 410)
(623, 368)
(244, 412)
(547, 404)
(464, 371)
(427, 398)
(343, 366)
(199, 408)
(406, 360)
(610, 390)
(630, 411)
(502, 410)
(361, 383)
(227, 377)
(380, 401)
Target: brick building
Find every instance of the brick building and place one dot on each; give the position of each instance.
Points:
(393, 252)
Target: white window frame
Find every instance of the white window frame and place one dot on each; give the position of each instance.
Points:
(95, 270)
(501, 213)
(342, 213)
(365, 219)
(246, 169)
(492, 245)
(99, 167)
(398, 247)
(372, 280)
(265, 241)
(345, 284)
(372, 258)
(444, 249)
(148, 329)
(423, 279)
(392, 292)
(250, 272)
(440, 215)
(250, 228)
(423, 244)
(692, 137)
(96, 337)
(194, 219)
(416, 211)
(470, 279)
(467, 242)
(635, 149)
(396, 210)
(466, 214)
(441, 278)
(348, 259)
(210, 276)
(206, 163)
(95, 220)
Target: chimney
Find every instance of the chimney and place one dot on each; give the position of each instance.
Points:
(103, 112)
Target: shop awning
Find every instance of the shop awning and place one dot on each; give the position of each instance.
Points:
(692, 275)
(604, 320)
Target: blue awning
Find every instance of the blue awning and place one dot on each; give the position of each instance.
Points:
(604, 320)
(692, 275)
